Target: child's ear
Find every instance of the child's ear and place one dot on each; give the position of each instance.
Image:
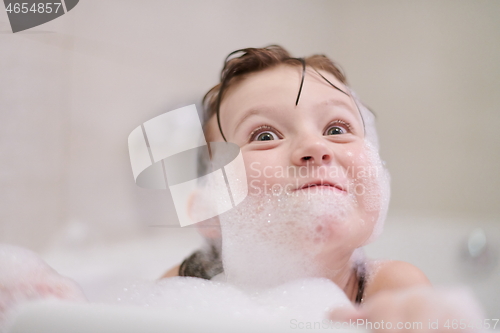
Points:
(209, 228)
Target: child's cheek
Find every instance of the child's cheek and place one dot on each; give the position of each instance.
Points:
(262, 174)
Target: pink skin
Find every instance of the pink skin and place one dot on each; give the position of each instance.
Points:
(264, 104)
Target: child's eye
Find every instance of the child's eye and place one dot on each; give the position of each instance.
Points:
(264, 133)
(338, 127)
(265, 136)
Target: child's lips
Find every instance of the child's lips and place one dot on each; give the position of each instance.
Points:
(324, 185)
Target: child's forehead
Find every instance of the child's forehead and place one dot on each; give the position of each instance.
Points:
(283, 76)
(211, 130)
(280, 87)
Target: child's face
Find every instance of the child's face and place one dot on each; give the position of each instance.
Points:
(314, 148)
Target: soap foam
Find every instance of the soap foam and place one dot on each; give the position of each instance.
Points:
(377, 189)
(24, 276)
(380, 198)
(310, 299)
(269, 240)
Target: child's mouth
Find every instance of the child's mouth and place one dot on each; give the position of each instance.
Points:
(321, 185)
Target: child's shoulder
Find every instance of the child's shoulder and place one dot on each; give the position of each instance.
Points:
(393, 274)
(174, 271)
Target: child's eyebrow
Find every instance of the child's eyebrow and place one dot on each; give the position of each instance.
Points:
(251, 112)
(338, 102)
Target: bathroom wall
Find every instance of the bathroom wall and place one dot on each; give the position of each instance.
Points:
(451, 251)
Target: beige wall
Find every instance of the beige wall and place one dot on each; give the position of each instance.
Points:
(74, 88)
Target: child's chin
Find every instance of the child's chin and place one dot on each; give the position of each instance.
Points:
(328, 229)
(315, 219)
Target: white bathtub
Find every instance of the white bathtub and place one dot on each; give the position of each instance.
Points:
(60, 317)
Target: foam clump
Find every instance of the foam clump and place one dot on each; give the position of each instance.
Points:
(24, 277)
(270, 240)
(309, 299)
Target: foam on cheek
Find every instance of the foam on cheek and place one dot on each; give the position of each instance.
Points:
(271, 239)
(375, 199)
(378, 194)
(370, 184)
(378, 183)
(366, 178)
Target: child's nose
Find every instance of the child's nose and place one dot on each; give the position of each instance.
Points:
(312, 151)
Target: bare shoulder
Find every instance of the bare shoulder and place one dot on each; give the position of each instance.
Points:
(393, 274)
(174, 271)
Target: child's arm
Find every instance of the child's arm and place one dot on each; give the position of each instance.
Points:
(400, 293)
(392, 275)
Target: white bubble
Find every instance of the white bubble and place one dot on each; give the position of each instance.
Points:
(308, 299)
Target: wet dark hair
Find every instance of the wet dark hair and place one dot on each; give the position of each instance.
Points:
(206, 262)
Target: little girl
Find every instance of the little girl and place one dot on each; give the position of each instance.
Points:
(318, 190)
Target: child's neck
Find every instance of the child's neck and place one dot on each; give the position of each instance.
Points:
(342, 272)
